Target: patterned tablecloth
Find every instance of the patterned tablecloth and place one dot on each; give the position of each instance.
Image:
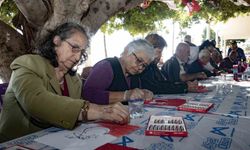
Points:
(225, 126)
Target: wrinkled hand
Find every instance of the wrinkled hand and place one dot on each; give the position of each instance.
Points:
(139, 94)
(192, 86)
(117, 113)
(217, 72)
(201, 75)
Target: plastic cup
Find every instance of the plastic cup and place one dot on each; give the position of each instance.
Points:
(136, 108)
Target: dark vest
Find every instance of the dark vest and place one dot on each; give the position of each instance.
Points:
(119, 82)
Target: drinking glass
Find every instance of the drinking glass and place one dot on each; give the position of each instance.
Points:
(136, 109)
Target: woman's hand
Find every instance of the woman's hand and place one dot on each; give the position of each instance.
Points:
(138, 94)
(117, 113)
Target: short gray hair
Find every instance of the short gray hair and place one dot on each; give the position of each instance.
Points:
(204, 53)
(140, 45)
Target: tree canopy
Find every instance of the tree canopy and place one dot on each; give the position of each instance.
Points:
(139, 20)
(8, 11)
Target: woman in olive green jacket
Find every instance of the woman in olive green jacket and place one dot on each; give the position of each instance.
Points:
(45, 91)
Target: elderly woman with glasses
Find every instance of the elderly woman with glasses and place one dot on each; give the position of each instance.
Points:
(116, 80)
(44, 89)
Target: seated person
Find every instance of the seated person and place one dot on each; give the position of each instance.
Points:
(198, 65)
(240, 52)
(45, 91)
(216, 48)
(152, 78)
(194, 50)
(215, 59)
(228, 62)
(174, 68)
(114, 79)
(209, 45)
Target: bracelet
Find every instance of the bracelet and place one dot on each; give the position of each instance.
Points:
(84, 111)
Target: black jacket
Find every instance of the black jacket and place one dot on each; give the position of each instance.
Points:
(171, 70)
(153, 80)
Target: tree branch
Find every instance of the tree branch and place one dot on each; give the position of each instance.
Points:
(35, 11)
(64, 10)
(11, 46)
(101, 10)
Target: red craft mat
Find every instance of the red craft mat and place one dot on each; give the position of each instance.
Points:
(110, 146)
(119, 130)
(165, 102)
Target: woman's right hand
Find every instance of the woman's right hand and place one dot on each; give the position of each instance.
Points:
(116, 112)
(138, 94)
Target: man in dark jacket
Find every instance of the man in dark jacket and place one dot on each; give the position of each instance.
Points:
(152, 78)
(175, 68)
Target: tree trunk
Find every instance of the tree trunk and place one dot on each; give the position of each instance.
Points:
(11, 46)
(38, 17)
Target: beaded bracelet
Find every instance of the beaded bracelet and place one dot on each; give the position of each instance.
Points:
(84, 111)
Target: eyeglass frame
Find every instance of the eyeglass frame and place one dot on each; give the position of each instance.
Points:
(76, 49)
(139, 61)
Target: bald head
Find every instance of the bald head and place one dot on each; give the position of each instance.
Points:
(183, 52)
(187, 38)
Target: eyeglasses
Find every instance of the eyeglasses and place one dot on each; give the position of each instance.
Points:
(139, 61)
(75, 49)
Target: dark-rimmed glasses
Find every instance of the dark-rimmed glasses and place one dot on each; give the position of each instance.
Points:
(75, 49)
(139, 61)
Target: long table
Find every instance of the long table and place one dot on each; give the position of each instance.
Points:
(225, 126)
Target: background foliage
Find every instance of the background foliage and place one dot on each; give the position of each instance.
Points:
(141, 21)
(8, 11)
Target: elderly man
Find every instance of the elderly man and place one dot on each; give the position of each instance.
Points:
(198, 66)
(174, 68)
(194, 50)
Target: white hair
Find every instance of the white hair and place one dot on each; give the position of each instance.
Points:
(140, 45)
